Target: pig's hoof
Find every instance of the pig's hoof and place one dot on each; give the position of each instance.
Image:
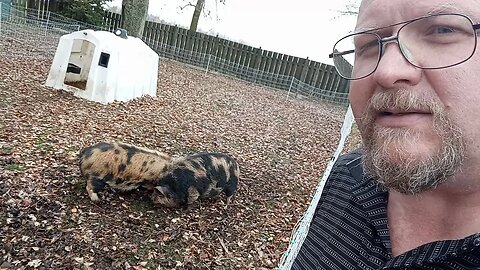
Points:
(94, 197)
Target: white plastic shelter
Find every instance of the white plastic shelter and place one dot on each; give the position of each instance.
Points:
(102, 66)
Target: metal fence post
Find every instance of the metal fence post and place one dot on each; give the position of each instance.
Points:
(46, 24)
(1, 17)
(290, 87)
(208, 64)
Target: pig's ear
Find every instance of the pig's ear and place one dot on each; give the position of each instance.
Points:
(163, 189)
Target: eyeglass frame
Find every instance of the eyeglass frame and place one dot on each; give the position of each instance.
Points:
(394, 38)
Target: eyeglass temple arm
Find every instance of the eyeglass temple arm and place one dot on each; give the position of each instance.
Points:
(476, 26)
(340, 53)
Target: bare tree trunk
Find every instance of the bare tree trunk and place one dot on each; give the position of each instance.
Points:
(194, 23)
(134, 14)
(196, 16)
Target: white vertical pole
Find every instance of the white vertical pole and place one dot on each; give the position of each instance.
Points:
(46, 24)
(303, 225)
(1, 17)
(290, 88)
(208, 64)
(43, 9)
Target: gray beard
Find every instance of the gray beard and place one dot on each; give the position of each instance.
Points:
(387, 162)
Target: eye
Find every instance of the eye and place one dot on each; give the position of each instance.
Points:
(372, 45)
(444, 34)
(444, 30)
(440, 30)
(366, 44)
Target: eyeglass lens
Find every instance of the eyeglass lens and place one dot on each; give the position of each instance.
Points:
(431, 42)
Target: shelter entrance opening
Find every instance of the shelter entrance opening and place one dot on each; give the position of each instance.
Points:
(79, 63)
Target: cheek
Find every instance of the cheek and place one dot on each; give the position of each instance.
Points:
(360, 93)
(465, 113)
(458, 90)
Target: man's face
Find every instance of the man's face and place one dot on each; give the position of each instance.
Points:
(416, 123)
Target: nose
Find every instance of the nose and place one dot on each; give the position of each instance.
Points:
(393, 68)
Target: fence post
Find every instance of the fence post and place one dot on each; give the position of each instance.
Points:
(1, 17)
(257, 62)
(290, 88)
(48, 21)
(303, 75)
(208, 64)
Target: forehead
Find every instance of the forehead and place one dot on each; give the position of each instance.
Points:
(379, 13)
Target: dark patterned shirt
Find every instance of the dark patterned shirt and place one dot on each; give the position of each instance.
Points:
(349, 230)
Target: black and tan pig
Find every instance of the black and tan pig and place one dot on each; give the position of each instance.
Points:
(198, 176)
(121, 166)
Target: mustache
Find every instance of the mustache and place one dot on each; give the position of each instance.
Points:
(402, 100)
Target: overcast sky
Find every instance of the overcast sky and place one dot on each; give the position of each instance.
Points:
(303, 28)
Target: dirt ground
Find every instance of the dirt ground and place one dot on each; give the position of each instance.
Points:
(48, 222)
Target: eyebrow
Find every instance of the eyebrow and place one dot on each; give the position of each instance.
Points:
(441, 9)
(367, 29)
(375, 28)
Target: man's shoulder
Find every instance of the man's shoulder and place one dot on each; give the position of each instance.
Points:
(348, 158)
(349, 166)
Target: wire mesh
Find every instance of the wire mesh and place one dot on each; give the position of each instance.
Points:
(39, 33)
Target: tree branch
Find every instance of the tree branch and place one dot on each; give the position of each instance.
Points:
(189, 4)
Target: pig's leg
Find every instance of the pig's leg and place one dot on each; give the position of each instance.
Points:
(193, 195)
(230, 192)
(94, 185)
(229, 199)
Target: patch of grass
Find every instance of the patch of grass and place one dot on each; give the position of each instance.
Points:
(3, 102)
(80, 186)
(73, 148)
(237, 145)
(132, 260)
(276, 159)
(151, 265)
(70, 198)
(142, 206)
(254, 211)
(170, 252)
(43, 145)
(271, 203)
(55, 129)
(70, 178)
(228, 265)
(5, 150)
(15, 167)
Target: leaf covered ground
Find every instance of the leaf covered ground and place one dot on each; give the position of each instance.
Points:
(48, 222)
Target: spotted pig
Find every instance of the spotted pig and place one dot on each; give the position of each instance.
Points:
(121, 166)
(202, 175)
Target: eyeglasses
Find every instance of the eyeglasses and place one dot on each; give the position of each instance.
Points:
(429, 42)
